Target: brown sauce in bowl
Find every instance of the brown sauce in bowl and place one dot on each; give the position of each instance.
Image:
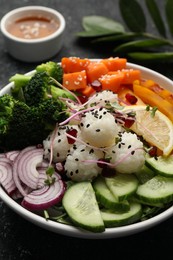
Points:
(33, 27)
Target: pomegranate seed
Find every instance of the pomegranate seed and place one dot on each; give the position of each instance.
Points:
(97, 86)
(128, 122)
(153, 151)
(83, 99)
(72, 132)
(131, 98)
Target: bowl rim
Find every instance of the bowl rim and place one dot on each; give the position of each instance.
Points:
(38, 8)
(72, 231)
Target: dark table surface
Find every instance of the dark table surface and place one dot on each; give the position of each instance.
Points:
(20, 239)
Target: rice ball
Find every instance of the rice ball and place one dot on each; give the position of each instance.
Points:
(128, 154)
(103, 98)
(76, 166)
(59, 142)
(98, 128)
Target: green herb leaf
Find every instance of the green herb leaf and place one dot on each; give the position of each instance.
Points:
(50, 171)
(98, 25)
(133, 15)
(169, 13)
(148, 56)
(140, 44)
(156, 16)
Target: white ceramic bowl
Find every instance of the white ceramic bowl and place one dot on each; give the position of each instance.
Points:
(109, 232)
(33, 50)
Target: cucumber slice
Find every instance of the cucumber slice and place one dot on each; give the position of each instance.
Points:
(162, 165)
(106, 198)
(157, 190)
(145, 174)
(81, 205)
(122, 185)
(114, 219)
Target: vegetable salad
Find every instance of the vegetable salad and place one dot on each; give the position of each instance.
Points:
(85, 139)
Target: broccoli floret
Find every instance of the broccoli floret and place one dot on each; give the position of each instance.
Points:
(53, 69)
(22, 126)
(6, 110)
(37, 89)
(59, 92)
(52, 111)
(25, 128)
(20, 81)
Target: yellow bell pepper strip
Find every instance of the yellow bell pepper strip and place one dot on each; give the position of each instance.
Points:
(164, 93)
(151, 98)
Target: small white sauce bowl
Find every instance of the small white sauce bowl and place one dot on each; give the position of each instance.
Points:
(33, 50)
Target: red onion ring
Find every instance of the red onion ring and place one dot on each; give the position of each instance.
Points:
(25, 167)
(6, 175)
(12, 155)
(46, 196)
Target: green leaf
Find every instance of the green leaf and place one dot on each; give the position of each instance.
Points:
(148, 56)
(99, 25)
(169, 14)
(93, 33)
(117, 37)
(140, 44)
(133, 15)
(156, 16)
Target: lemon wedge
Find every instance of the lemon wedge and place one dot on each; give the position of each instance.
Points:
(156, 128)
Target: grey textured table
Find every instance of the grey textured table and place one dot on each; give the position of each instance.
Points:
(20, 239)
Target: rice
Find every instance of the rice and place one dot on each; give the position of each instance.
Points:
(103, 98)
(81, 163)
(98, 128)
(128, 154)
(59, 142)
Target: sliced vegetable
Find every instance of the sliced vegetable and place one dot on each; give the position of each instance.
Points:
(122, 185)
(161, 165)
(112, 81)
(96, 70)
(164, 93)
(114, 64)
(25, 167)
(157, 190)
(46, 196)
(153, 99)
(106, 198)
(88, 91)
(75, 80)
(6, 175)
(130, 75)
(74, 64)
(116, 219)
(80, 203)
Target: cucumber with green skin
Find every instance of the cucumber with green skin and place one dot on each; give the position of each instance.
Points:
(122, 185)
(161, 165)
(145, 174)
(159, 189)
(81, 206)
(106, 198)
(114, 219)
